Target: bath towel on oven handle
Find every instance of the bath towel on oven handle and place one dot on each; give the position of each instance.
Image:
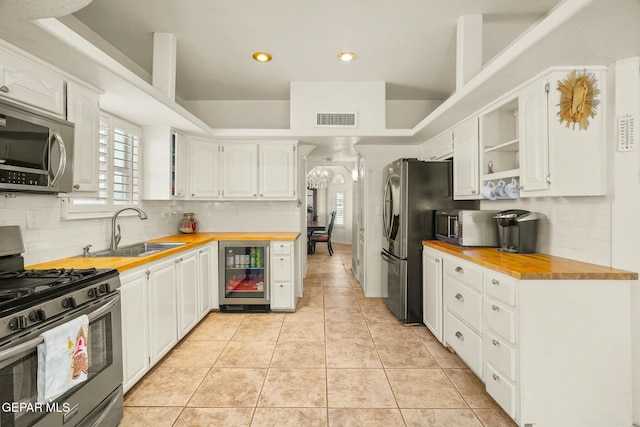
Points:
(63, 359)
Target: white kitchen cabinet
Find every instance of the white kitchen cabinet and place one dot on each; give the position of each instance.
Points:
(438, 148)
(213, 288)
(163, 310)
(187, 286)
(465, 160)
(549, 149)
(135, 327)
(27, 83)
(204, 169)
(533, 342)
(499, 141)
(432, 291)
(83, 110)
(277, 168)
(165, 163)
(240, 171)
(282, 274)
(204, 281)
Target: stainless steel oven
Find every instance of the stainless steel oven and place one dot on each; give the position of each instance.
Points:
(97, 401)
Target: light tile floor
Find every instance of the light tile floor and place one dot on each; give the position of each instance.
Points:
(340, 360)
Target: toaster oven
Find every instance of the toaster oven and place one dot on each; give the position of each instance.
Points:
(462, 227)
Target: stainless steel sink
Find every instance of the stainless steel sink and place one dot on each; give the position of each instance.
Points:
(135, 250)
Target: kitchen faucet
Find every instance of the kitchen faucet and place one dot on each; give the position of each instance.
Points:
(115, 237)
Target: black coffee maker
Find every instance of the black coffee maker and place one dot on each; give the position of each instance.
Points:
(517, 231)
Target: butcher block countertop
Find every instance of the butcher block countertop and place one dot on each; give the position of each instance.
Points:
(532, 266)
(191, 240)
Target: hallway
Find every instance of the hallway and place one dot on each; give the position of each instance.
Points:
(340, 360)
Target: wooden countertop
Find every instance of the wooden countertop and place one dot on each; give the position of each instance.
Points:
(532, 266)
(190, 240)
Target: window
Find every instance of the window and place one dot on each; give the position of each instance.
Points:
(119, 170)
(338, 206)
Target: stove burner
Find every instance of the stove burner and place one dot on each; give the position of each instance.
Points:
(11, 294)
(52, 273)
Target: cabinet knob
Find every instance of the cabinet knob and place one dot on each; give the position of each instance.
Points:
(76, 186)
(281, 259)
(460, 298)
(495, 307)
(4, 89)
(495, 377)
(495, 342)
(177, 261)
(147, 273)
(473, 191)
(254, 195)
(193, 194)
(495, 282)
(460, 270)
(460, 336)
(437, 260)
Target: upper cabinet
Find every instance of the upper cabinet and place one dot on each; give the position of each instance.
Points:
(204, 172)
(258, 170)
(499, 142)
(556, 159)
(465, 160)
(25, 82)
(438, 148)
(83, 110)
(165, 159)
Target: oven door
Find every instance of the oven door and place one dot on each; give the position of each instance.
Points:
(98, 398)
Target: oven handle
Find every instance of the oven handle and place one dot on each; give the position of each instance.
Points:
(28, 345)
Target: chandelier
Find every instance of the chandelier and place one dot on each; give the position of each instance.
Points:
(318, 178)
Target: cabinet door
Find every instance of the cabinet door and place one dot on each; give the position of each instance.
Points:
(25, 82)
(443, 146)
(163, 316)
(240, 171)
(203, 167)
(432, 292)
(534, 138)
(188, 307)
(135, 333)
(426, 151)
(179, 162)
(204, 281)
(213, 288)
(83, 110)
(465, 160)
(277, 171)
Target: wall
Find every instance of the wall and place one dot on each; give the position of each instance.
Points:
(241, 114)
(57, 238)
(377, 157)
(407, 114)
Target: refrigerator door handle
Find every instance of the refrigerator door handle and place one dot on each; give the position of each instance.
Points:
(387, 257)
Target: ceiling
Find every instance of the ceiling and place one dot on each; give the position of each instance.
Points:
(409, 44)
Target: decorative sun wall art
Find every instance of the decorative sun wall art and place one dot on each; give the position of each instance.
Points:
(578, 98)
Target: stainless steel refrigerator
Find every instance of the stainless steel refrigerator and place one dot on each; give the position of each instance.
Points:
(413, 191)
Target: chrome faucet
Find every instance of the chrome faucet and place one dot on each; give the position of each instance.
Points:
(115, 236)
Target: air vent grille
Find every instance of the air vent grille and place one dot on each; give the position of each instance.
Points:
(341, 120)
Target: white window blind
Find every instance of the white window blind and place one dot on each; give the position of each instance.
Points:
(119, 171)
(338, 206)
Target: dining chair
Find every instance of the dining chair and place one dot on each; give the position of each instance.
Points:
(325, 237)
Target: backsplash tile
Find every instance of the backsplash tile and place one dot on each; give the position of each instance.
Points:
(573, 227)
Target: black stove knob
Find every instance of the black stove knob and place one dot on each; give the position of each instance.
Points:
(38, 315)
(105, 288)
(69, 302)
(93, 293)
(18, 323)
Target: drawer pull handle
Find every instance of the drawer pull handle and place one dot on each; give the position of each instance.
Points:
(460, 270)
(496, 342)
(459, 297)
(460, 336)
(495, 307)
(495, 377)
(495, 282)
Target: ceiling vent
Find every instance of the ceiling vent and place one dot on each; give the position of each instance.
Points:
(337, 120)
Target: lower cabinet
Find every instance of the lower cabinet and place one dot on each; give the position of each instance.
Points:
(282, 274)
(161, 302)
(536, 343)
(432, 291)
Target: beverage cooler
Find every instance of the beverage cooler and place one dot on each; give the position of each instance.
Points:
(244, 276)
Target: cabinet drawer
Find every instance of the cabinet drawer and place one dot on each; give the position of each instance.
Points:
(500, 287)
(282, 296)
(281, 248)
(464, 341)
(465, 302)
(501, 389)
(500, 319)
(466, 272)
(281, 269)
(500, 354)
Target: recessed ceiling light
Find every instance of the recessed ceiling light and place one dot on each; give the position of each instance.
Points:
(262, 56)
(346, 56)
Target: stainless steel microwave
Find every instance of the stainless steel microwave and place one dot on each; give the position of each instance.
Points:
(467, 227)
(36, 151)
